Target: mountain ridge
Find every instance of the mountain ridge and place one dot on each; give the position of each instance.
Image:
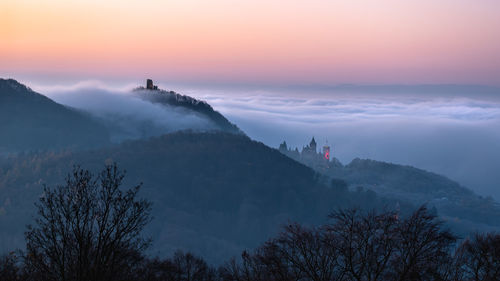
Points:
(30, 121)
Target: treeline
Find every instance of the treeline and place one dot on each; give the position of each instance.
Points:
(355, 246)
(370, 246)
(90, 228)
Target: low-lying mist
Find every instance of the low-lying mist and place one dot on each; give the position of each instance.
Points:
(456, 133)
(126, 115)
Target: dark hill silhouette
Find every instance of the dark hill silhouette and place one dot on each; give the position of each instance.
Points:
(30, 121)
(213, 193)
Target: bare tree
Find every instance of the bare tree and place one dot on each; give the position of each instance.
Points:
(423, 248)
(264, 264)
(87, 229)
(156, 270)
(182, 267)
(191, 268)
(354, 246)
(9, 268)
(365, 242)
(478, 258)
(310, 254)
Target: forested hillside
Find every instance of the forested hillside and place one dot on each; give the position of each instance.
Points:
(213, 193)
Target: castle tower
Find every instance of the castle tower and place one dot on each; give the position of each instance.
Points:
(312, 145)
(283, 147)
(326, 151)
(149, 84)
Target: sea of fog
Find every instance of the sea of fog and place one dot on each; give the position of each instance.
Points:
(450, 130)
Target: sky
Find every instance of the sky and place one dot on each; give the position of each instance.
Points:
(253, 42)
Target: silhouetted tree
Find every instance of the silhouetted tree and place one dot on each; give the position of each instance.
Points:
(181, 267)
(386, 247)
(191, 268)
(87, 229)
(262, 265)
(478, 258)
(355, 246)
(9, 268)
(156, 270)
(365, 242)
(423, 248)
(300, 253)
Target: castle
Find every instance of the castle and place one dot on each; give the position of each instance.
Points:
(150, 85)
(310, 155)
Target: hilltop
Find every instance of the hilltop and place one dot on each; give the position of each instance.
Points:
(155, 95)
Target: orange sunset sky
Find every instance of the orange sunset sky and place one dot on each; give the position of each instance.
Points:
(258, 41)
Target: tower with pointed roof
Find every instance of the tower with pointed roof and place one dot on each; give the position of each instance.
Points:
(312, 145)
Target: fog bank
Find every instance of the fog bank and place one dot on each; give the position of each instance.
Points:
(456, 133)
(452, 130)
(126, 115)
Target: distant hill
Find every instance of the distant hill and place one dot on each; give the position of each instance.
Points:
(30, 121)
(460, 206)
(453, 201)
(171, 98)
(213, 193)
